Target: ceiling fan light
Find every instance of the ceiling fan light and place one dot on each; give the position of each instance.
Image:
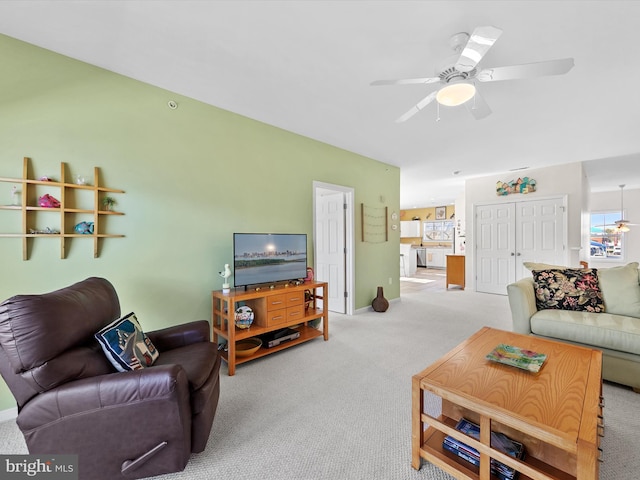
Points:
(622, 228)
(456, 94)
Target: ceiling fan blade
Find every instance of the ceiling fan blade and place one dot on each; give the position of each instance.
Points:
(478, 107)
(479, 43)
(527, 70)
(407, 81)
(419, 106)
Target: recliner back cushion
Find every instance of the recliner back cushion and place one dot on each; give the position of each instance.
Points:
(34, 329)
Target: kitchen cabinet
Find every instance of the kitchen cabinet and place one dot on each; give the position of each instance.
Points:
(409, 228)
(436, 257)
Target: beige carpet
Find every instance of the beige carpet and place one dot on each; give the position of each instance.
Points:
(341, 409)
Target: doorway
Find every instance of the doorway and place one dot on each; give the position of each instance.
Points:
(333, 242)
(509, 234)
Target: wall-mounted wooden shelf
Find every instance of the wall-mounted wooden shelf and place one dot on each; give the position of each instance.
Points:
(68, 213)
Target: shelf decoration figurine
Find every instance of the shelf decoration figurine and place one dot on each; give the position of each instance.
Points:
(108, 203)
(47, 201)
(309, 278)
(226, 273)
(84, 228)
(15, 196)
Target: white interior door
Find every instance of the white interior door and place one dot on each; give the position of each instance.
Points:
(330, 251)
(495, 247)
(540, 234)
(509, 234)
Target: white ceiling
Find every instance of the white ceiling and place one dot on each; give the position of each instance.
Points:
(306, 66)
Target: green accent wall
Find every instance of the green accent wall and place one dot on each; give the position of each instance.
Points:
(192, 177)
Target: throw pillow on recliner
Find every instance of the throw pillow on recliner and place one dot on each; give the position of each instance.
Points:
(125, 344)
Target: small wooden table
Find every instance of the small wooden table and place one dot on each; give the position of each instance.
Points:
(556, 413)
(455, 270)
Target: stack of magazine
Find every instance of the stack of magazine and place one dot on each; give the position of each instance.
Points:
(499, 441)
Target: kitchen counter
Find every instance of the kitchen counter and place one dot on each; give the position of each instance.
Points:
(433, 256)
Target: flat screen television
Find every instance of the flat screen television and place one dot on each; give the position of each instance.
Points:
(268, 257)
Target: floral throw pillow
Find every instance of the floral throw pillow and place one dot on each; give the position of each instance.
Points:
(569, 289)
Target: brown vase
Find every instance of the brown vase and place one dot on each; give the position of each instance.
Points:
(380, 304)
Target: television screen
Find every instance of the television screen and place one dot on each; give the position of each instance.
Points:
(268, 257)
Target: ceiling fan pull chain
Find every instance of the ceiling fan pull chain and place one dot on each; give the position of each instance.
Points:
(437, 112)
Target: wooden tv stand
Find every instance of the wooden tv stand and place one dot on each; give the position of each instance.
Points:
(274, 308)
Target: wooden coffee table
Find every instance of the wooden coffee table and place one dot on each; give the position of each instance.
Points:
(556, 413)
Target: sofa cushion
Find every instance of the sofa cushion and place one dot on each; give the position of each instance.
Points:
(620, 289)
(568, 289)
(125, 344)
(601, 330)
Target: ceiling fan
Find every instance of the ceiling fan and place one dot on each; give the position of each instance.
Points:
(622, 225)
(459, 73)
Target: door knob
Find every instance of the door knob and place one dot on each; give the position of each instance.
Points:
(512, 254)
(519, 254)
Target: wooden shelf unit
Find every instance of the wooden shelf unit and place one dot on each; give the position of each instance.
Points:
(274, 308)
(66, 211)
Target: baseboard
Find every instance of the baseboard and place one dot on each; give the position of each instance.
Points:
(9, 414)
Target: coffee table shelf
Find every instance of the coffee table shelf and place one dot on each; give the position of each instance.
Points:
(556, 414)
(432, 448)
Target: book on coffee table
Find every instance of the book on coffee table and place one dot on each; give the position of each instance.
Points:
(517, 357)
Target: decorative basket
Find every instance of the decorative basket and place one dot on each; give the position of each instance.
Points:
(244, 317)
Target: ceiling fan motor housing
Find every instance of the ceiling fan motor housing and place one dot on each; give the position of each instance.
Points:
(450, 73)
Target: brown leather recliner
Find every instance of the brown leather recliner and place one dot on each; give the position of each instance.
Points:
(71, 400)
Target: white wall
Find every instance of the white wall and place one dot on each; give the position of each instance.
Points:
(562, 180)
(611, 201)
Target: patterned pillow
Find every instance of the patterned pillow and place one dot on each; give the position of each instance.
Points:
(125, 344)
(569, 289)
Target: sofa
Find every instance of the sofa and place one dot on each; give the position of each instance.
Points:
(139, 418)
(596, 308)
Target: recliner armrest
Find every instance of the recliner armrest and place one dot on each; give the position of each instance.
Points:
(121, 425)
(106, 392)
(180, 335)
(522, 301)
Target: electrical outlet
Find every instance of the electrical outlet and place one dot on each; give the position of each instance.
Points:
(390, 281)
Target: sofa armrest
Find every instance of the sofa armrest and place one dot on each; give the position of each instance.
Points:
(180, 335)
(522, 301)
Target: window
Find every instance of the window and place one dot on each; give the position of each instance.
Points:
(438, 231)
(606, 240)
